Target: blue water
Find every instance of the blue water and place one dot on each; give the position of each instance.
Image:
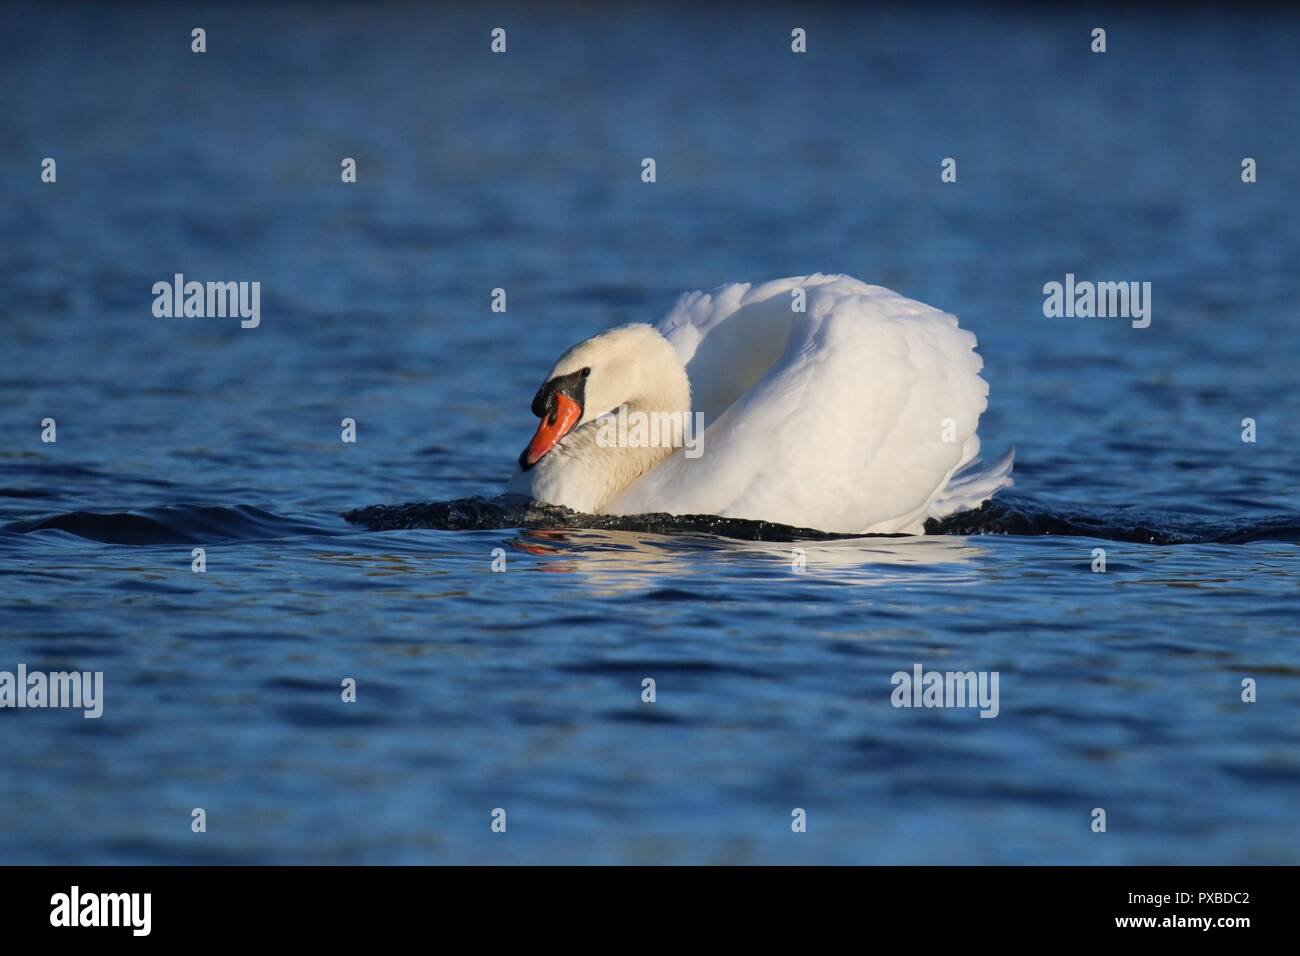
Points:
(522, 690)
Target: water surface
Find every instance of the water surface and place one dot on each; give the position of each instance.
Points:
(522, 689)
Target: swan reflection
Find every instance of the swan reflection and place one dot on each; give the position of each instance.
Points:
(617, 561)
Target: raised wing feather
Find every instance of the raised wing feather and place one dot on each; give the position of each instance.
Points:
(850, 416)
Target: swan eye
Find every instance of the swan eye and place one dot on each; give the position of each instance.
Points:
(585, 372)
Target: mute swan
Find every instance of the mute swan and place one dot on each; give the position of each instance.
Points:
(854, 414)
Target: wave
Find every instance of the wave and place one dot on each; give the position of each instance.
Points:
(171, 524)
(1004, 516)
(200, 524)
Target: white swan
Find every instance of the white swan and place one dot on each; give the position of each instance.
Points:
(857, 414)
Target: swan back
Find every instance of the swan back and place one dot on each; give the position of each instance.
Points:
(867, 411)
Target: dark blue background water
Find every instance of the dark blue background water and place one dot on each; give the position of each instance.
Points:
(522, 690)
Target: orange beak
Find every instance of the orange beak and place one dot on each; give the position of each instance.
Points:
(564, 414)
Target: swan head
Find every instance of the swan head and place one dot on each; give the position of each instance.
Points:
(594, 378)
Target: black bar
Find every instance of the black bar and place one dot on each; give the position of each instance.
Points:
(333, 905)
